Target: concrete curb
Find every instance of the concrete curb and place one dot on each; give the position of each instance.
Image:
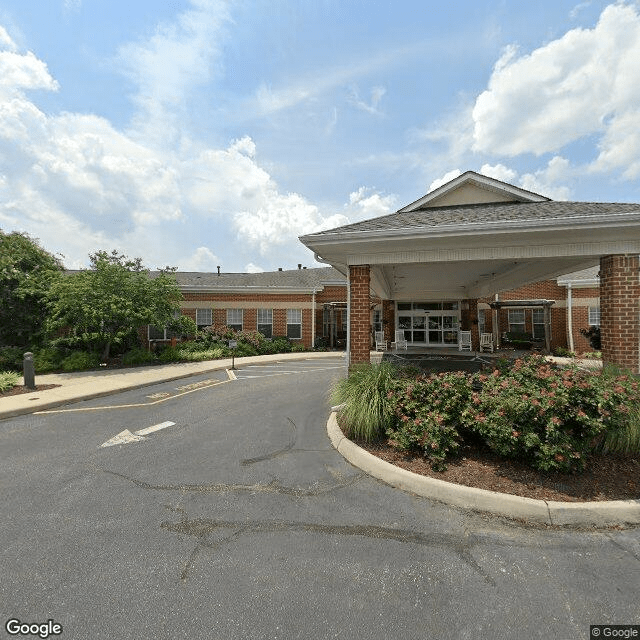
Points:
(574, 514)
(76, 387)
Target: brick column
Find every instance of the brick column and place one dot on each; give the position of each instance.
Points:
(620, 311)
(360, 325)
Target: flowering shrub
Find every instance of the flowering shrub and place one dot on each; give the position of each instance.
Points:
(427, 414)
(217, 333)
(549, 417)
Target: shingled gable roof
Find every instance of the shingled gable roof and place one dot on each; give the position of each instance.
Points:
(502, 205)
(487, 215)
(301, 280)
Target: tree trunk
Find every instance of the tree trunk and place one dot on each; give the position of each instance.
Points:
(105, 353)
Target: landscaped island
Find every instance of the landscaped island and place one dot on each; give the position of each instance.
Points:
(552, 418)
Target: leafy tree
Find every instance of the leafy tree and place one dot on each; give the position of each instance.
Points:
(107, 303)
(27, 272)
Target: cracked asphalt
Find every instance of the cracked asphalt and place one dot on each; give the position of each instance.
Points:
(241, 521)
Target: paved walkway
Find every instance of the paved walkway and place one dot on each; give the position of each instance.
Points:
(84, 385)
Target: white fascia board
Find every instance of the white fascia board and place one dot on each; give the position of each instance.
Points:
(579, 284)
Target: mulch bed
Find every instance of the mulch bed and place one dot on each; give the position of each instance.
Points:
(22, 389)
(606, 477)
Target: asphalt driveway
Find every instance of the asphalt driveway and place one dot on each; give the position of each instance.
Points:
(239, 520)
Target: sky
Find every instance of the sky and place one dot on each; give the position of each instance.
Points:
(206, 133)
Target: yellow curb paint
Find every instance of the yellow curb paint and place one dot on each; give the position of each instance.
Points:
(130, 406)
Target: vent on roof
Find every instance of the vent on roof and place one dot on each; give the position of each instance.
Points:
(218, 270)
(299, 266)
(279, 268)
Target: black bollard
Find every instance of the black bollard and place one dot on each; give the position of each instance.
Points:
(29, 371)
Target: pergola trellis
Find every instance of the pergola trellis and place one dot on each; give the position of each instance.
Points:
(522, 304)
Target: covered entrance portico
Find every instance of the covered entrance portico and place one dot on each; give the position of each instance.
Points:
(475, 237)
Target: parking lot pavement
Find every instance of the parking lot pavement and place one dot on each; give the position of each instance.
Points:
(239, 520)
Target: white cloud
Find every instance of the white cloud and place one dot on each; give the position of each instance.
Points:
(253, 268)
(499, 172)
(585, 83)
(203, 259)
(363, 204)
(575, 12)
(548, 181)
(447, 177)
(6, 42)
(278, 219)
(168, 66)
(19, 72)
(372, 106)
(82, 184)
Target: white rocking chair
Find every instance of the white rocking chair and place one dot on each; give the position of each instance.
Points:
(400, 342)
(486, 342)
(464, 341)
(381, 343)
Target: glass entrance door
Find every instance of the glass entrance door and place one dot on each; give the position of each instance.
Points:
(443, 329)
(429, 323)
(414, 328)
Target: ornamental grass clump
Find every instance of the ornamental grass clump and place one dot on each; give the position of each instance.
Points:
(366, 412)
(8, 380)
(550, 418)
(427, 415)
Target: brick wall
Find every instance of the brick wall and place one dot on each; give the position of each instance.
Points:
(360, 335)
(619, 299)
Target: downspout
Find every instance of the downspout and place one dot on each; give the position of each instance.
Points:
(494, 322)
(570, 315)
(313, 319)
(348, 351)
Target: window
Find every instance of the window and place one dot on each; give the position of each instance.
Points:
(156, 333)
(265, 322)
(482, 323)
(516, 321)
(537, 318)
(204, 318)
(234, 319)
(377, 320)
(594, 316)
(294, 324)
(161, 333)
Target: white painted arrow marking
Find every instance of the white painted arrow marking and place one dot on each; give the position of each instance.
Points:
(155, 427)
(124, 437)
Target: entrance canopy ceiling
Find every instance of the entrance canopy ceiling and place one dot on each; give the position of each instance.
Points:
(477, 236)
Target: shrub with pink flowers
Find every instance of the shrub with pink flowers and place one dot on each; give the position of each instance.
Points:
(547, 416)
(427, 413)
(552, 418)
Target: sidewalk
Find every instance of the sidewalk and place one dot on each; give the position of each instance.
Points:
(84, 385)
